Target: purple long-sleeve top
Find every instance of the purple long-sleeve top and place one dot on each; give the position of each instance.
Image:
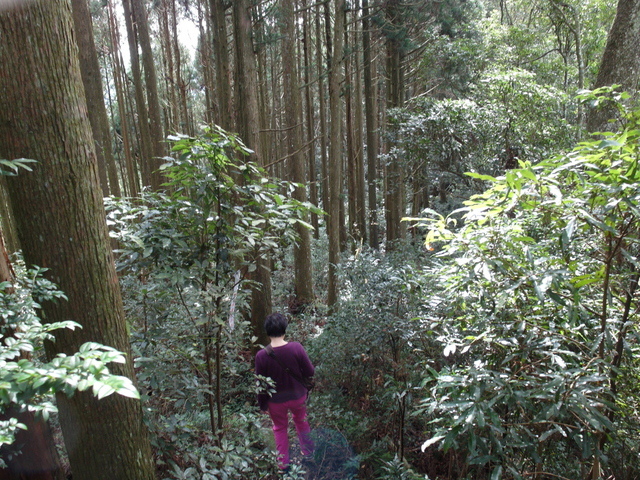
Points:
(294, 356)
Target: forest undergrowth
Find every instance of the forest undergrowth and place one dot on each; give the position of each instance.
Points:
(496, 342)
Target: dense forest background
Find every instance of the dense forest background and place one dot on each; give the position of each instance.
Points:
(443, 196)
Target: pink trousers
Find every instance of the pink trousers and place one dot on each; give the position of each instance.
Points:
(279, 413)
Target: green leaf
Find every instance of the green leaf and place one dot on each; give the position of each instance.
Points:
(496, 474)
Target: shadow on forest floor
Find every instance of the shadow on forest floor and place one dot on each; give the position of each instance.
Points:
(333, 458)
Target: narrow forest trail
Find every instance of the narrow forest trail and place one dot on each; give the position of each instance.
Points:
(333, 458)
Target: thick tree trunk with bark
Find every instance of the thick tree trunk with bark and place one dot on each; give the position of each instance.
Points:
(61, 225)
(249, 129)
(620, 61)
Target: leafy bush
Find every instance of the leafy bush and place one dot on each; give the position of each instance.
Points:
(186, 257)
(544, 272)
(367, 353)
(27, 380)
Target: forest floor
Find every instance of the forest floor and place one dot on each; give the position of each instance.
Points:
(333, 458)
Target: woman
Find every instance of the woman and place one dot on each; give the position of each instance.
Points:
(290, 395)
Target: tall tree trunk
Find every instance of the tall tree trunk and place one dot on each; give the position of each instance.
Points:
(90, 74)
(370, 91)
(61, 225)
(129, 178)
(323, 114)
(153, 101)
(335, 154)
(351, 166)
(172, 117)
(263, 93)
(394, 179)
(620, 61)
(92, 80)
(144, 135)
(249, 129)
(223, 65)
(205, 52)
(310, 118)
(358, 140)
(185, 125)
(293, 134)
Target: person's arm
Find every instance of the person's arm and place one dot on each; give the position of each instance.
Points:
(306, 367)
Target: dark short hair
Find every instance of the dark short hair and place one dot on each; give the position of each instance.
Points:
(275, 325)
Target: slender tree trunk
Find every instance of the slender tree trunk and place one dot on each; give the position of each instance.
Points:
(144, 137)
(371, 126)
(185, 125)
(293, 135)
(223, 64)
(129, 179)
(323, 114)
(335, 154)
(92, 81)
(206, 55)
(394, 180)
(153, 101)
(358, 140)
(351, 166)
(310, 119)
(171, 111)
(61, 226)
(263, 94)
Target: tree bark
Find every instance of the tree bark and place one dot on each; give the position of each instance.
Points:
(61, 225)
(153, 100)
(335, 154)
(294, 133)
(249, 129)
(310, 118)
(144, 135)
(620, 62)
(172, 117)
(371, 127)
(323, 115)
(394, 178)
(361, 215)
(130, 176)
(205, 53)
(223, 65)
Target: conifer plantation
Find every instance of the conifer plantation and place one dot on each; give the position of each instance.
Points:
(443, 198)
